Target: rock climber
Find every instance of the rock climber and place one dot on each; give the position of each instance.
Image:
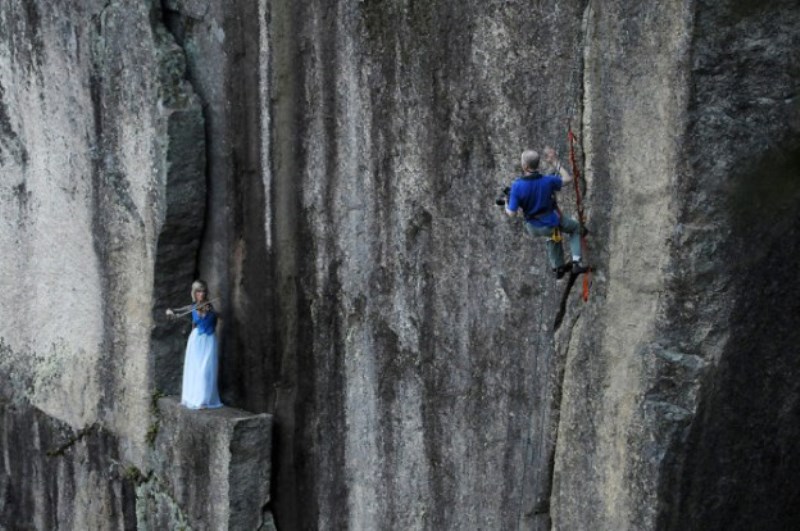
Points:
(533, 195)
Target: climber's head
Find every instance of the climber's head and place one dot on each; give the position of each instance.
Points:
(529, 160)
(198, 287)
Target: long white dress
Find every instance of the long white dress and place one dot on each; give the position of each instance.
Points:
(199, 389)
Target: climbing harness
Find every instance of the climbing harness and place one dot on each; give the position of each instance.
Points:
(576, 175)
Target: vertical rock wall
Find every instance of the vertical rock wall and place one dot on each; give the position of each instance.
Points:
(400, 353)
(101, 178)
(361, 299)
(679, 404)
(413, 348)
(72, 216)
(227, 63)
(740, 461)
(374, 299)
(616, 425)
(56, 477)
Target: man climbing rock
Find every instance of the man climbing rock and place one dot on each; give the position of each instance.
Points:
(533, 196)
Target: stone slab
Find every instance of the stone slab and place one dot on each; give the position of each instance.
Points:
(215, 464)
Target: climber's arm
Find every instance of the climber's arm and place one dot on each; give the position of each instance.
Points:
(566, 177)
(551, 158)
(512, 206)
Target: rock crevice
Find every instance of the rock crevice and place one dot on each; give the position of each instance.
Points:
(329, 168)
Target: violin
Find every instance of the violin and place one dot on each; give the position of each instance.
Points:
(202, 307)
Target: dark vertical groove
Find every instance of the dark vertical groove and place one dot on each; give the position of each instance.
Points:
(562, 305)
(296, 461)
(100, 221)
(328, 349)
(185, 187)
(432, 434)
(560, 356)
(383, 106)
(251, 327)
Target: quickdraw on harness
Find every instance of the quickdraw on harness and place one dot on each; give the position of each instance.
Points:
(576, 174)
(556, 235)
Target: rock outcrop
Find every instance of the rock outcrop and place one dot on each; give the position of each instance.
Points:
(330, 168)
(215, 466)
(103, 190)
(679, 392)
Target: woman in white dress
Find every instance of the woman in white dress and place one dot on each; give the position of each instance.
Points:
(199, 389)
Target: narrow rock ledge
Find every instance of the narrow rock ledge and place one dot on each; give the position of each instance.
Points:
(215, 464)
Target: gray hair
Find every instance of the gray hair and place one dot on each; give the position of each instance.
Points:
(529, 159)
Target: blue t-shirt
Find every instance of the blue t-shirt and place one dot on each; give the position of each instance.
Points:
(534, 194)
(207, 324)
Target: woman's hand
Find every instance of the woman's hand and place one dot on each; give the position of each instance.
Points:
(170, 314)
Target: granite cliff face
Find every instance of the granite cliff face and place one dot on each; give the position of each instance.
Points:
(103, 190)
(330, 169)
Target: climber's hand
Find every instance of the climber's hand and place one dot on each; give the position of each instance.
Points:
(550, 155)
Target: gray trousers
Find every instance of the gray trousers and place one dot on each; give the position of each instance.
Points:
(555, 252)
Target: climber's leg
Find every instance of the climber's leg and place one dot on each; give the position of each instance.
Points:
(555, 253)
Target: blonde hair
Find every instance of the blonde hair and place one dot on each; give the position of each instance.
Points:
(199, 285)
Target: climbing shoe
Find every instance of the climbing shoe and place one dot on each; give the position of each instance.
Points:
(578, 269)
(562, 270)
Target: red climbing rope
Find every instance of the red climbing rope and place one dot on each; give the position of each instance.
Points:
(576, 174)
